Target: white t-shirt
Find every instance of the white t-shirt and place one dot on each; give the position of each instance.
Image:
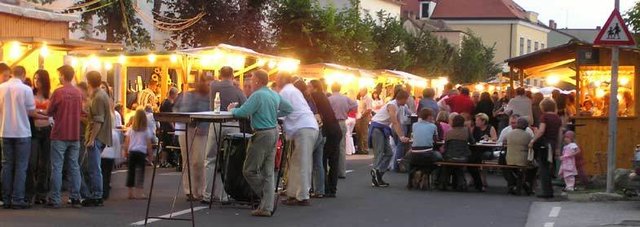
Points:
(16, 100)
(138, 140)
(113, 151)
(383, 116)
(508, 129)
(301, 117)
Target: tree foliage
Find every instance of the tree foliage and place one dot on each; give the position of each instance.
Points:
(390, 38)
(632, 18)
(236, 22)
(430, 55)
(117, 20)
(475, 61)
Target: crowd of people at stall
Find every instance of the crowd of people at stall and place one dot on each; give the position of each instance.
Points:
(73, 136)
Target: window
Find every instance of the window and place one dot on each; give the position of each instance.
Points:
(535, 46)
(521, 46)
(594, 91)
(528, 46)
(426, 9)
(541, 46)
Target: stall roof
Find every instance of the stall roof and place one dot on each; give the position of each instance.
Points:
(235, 49)
(402, 75)
(65, 44)
(317, 70)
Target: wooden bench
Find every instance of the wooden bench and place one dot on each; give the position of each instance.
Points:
(520, 183)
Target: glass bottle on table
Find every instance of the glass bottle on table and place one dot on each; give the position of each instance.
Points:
(216, 103)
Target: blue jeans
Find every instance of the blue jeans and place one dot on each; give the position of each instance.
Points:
(15, 161)
(400, 146)
(64, 152)
(318, 166)
(92, 184)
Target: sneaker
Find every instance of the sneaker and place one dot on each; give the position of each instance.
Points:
(52, 205)
(374, 178)
(381, 182)
(98, 202)
(75, 203)
(20, 206)
(261, 213)
(88, 203)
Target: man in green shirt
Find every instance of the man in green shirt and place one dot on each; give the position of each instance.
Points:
(263, 107)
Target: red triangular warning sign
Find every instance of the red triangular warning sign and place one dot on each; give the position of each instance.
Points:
(615, 32)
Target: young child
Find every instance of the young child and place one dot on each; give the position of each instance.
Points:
(137, 146)
(568, 168)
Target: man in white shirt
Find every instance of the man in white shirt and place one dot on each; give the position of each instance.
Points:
(513, 121)
(520, 105)
(301, 128)
(15, 132)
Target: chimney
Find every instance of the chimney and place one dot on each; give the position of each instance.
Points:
(552, 24)
(532, 16)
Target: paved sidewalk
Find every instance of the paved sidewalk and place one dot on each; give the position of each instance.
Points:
(584, 214)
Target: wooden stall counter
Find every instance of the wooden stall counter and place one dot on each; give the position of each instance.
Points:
(592, 139)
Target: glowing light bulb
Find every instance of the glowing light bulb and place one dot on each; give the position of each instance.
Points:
(173, 58)
(44, 50)
(152, 58)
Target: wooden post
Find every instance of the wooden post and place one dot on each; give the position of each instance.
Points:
(164, 81)
(511, 75)
(521, 77)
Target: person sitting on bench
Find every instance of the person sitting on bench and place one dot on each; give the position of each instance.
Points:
(456, 150)
(517, 151)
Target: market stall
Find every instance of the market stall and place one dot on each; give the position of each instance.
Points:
(131, 72)
(351, 79)
(588, 67)
(47, 53)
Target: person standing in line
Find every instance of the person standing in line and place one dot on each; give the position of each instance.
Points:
(263, 107)
(520, 105)
(5, 74)
(229, 93)
(166, 128)
(65, 108)
(194, 101)
(427, 101)
(545, 144)
(99, 136)
(110, 154)
(462, 104)
(301, 128)
(341, 106)
(328, 166)
(404, 115)
(17, 103)
(39, 165)
(380, 131)
(363, 117)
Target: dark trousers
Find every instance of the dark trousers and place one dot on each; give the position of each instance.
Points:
(449, 174)
(106, 164)
(513, 176)
(39, 170)
(476, 157)
(545, 169)
(331, 162)
(135, 171)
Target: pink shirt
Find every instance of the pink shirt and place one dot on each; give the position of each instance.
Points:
(65, 107)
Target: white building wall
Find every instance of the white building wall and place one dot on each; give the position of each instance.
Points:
(158, 37)
(370, 6)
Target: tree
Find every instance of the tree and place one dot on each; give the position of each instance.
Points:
(324, 34)
(475, 61)
(432, 57)
(390, 37)
(117, 20)
(236, 22)
(632, 18)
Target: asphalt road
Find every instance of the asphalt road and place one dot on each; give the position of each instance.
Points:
(358, 204)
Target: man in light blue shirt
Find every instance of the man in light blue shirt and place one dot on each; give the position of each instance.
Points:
(341, 106)
(263, 107)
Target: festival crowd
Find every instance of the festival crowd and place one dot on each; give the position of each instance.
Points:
(71, 138)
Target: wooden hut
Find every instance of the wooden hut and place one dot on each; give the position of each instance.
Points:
(588, 67)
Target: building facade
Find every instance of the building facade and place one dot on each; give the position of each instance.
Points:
(392, 7)
(503, 24)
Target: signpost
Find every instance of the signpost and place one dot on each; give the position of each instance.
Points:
(614, 33)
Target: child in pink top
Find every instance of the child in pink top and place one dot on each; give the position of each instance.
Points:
(568, 168)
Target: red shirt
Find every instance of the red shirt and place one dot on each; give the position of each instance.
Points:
(65, 107)
(461, 104)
